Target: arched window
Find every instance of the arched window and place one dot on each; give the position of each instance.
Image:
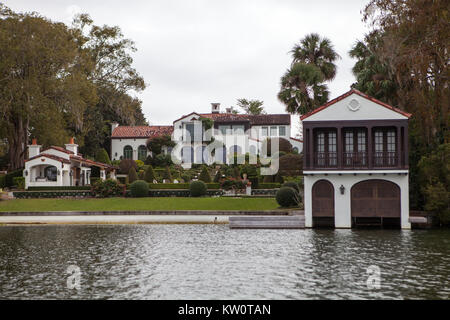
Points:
(128, 152)
(142, 153)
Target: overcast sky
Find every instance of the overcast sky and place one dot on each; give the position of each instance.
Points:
(194, 52)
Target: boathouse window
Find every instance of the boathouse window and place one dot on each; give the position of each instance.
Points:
(128, 152)
(385, 148)
(355, 148)
(326, 148)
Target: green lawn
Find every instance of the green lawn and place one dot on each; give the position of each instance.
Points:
(136, 204)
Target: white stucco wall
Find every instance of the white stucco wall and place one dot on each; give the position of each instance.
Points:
(342, 203)
(117, 146)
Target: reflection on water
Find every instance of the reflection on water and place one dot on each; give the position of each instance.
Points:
(213, 262)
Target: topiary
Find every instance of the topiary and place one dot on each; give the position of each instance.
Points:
(186, 177)
(204, 175)
(292, 184)
(287, 197)
(102, 156)
(149, 174)
(126, 164)
(197, 188)
(167, 174)
(139, 188)
(132, 175)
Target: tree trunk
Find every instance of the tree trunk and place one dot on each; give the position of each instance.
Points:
(17, 142)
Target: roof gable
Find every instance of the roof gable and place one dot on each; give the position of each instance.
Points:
(355, 105)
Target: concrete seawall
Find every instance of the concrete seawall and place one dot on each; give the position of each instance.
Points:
(132, 217)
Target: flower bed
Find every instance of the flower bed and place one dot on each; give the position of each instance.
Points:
(51, 194)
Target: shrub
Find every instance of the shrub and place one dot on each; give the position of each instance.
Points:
(149, 174)
(10, 176)
(268, 179)
(126, 164)
(283, 145)
(293, 185)
(271, 185)
(167, 174)
(162, 160)
(231, 183)
(139, 189)
(250, 170)
(291, 165)
(204, 175)
(254, 181)
(287, 197)
(279, 178)
(139, 164)
(19, 182)
(2, 181)
(197, 188)
(102, 156)
(186, 177)
(218, 176)
(132, 175)
(107, 188)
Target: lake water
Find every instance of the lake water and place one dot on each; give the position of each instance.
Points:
(214, 262)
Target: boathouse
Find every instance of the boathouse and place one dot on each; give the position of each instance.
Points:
(356, 163)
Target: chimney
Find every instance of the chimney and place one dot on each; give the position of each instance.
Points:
(215, 107)
(113, 126)
(228, 110)
(34, 149)
(72, 146)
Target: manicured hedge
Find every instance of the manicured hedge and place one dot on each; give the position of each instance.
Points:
(181, 193)
(179, 186)
(269, 185)
(10, 176)
(265, 192)
(79, 188)
(51, 194)
(2, 181)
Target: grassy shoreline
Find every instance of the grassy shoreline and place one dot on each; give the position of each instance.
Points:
(138, 204)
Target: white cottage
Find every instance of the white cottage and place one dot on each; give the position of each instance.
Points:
(57, 166)
(356, 163)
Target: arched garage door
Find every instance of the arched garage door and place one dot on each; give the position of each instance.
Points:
(322, 199)
(375, 198)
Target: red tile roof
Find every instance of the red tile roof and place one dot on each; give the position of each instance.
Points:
(50, 156)
(141, 131)
(345, 95)
(59, 149)
(263, 119)
(90, 162)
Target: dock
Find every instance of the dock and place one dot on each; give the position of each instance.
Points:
(267, 222)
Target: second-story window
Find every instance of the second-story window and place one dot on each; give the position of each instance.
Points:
(273, 131)
(385, 148)
(355, 150)
(264, 131)
(326, 148)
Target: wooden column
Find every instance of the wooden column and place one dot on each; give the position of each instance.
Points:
(339, 147)
(370, 147)
(399, 149)
(406, 146)
(311, 147)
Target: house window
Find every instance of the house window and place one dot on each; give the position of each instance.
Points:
(238, 129)
(142, 153)
(128, 152)
(224, 129)
(264, 131)
(50, 173)
(189, 133)
(385, 148)
(273, 131)
(326, 148)
(282, 131)
(355, 147)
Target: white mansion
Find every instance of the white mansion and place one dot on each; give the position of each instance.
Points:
(237, 133)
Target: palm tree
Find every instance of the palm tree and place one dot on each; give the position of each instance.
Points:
(302, 89)
(254, 107)
(316, 51)
(302, 86)
(372, 75)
